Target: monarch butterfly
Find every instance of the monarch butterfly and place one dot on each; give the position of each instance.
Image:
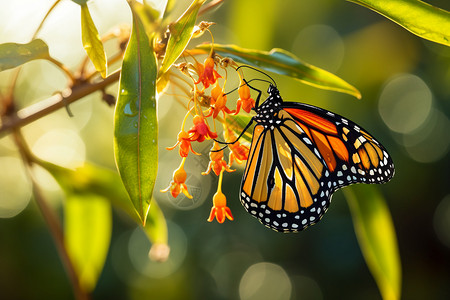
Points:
(299, 155)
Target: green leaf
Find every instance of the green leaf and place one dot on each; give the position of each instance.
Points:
(170, 5)
(149, 16)
(282, 62)
(180, 35)
(418, 17)
(92, 42)
(376, 236)
(13, 55)
(156, 231)
(87, 216)
(156, 226)
(95, 180)
(88, 226)
(135, 120)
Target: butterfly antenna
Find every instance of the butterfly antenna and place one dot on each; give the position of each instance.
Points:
(247, 83)
(257, 70)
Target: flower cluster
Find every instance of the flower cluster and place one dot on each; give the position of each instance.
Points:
(207, 106)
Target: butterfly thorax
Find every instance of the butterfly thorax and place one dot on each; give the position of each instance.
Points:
(267, 112)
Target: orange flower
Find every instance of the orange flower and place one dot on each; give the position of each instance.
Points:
(216, 162)
(185, 144)
(206, 73)
(200, 130)
(245, 101)
(220, 209)
(238, 152)
(178, 185)
(218, 102)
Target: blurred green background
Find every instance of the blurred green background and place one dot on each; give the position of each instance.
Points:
(405, 105)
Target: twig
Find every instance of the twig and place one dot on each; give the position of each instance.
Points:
(63, 68)
(45, 18)
(50, 218)
(10, 95)
(45, 107)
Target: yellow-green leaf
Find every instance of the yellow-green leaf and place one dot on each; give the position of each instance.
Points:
(92, 42)
(180, 35)
(135, 120)
(376, 236)
(96, 182)
(87, 216)
(170, 5)
(422, 19)
(156, 231)
(282, 62)
(87, 234)
(13, 55)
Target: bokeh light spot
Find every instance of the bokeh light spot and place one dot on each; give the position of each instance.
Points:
(265, 281)
(442, 221)
(320, 45)
(14, 186)
(405, 103)
(138, 251)
(306, 288)
(63, 147)
(430, 142)
(229, 267)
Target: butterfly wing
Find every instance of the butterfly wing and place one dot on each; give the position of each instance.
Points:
(294, 167)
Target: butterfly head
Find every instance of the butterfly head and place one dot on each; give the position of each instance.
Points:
(272, 90)
(274, 95)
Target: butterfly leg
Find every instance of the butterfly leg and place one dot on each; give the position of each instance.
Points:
(257, 97)
(237, 139)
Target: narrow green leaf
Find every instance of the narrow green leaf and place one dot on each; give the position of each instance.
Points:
(376, 236)
(102, 183)
(156, 226)
(156, 231)
(420, 18)
(170, 5)
(92, 42)
(149, 15)
(95, 180)
(147, 12)
(282, 62)
(13, 55)
(87, 234)
(135, 120)
(180, 35)
(87, 216)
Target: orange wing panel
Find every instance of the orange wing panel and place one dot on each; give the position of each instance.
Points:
(339, 148)
(324, 149)
(313, 120)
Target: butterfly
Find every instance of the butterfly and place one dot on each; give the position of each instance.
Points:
(299, 156)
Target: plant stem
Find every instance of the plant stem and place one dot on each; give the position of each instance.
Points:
(45, 107)
(50, 218)
(45, 18)
(63, 68)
